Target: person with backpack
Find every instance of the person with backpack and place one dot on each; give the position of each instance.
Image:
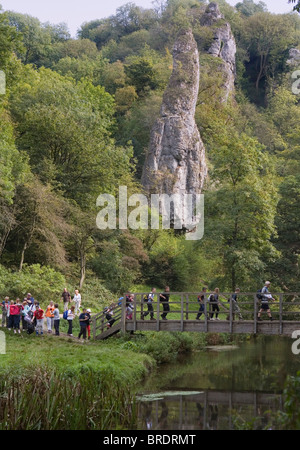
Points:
(265, 296)
(149, 300)
(214, 300)
(39, 316)
(109, 316)
(201, 300)
(50, 316)
(164, 298)
(56, 319)
(83, 319)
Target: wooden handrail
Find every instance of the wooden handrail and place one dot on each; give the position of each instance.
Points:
(186, 313)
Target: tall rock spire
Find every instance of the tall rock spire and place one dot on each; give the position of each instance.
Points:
(175, 162)
(223, 46)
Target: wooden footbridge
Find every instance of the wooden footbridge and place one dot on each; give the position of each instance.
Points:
(184, 308)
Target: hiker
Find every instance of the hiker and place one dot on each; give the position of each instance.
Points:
(30, 299)
(235, 306)
(33, 307)
(201, 300)
(70, 317)
(129, 306)
(88, 323)
(164, 298)
(56, 319)
(24, 313)
(83, 318)
(109, 316)
(214, 300)
(4, 309)
(77, 301)
(149, 299)
(38, 315)
(50, 316)
(15, 315)
(66, 298)
(10, 319)
(265, 296)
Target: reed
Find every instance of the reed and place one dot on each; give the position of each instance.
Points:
(44, 399)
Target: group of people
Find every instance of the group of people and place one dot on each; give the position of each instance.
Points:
(263, 295)
(31, 315)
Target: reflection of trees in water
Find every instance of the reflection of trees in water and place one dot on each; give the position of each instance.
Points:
(262, 364)
(211, 410)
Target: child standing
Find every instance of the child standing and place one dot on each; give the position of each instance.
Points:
(39, 316)
(56, 319)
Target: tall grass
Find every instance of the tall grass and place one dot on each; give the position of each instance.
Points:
(44, 399)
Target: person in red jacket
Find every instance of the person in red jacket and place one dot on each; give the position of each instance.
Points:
(39, 316)
(15, 315)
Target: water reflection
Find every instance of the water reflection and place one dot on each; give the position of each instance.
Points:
(218, 390)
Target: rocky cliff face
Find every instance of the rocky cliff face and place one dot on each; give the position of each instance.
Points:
(175, 162)
(294, 58)
(222, 47)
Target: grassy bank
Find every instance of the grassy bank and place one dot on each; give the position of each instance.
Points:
(57, 383)
(49, 382)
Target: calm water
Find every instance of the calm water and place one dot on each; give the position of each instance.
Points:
(219, 388)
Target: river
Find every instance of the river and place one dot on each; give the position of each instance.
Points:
(219, 388)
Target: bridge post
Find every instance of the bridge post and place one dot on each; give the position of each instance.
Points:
(181, 319)
(157, 311)
(187, 306)
(205, 313)
(230, 315)
(255, 315)
(123, 315)
(280, 312)
(134, 312)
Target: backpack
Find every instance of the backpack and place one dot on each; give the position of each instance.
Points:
(65, 315)
(259, 295)
(146, 298)
(30, 328)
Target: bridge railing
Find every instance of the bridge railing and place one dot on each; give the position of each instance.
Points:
(184, 306)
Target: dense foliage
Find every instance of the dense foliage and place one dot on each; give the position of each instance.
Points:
(75, 122)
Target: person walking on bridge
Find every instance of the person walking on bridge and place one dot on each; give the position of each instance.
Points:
(264, 298)
(201, 300)
(235, 306)
(150, 299)
(164, 298)
(214, 300)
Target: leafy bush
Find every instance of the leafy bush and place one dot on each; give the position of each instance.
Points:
(43, 282)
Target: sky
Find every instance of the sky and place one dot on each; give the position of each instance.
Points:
(75, 12)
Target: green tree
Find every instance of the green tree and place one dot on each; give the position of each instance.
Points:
(240, 208)
(67, 127)
(249, 8)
